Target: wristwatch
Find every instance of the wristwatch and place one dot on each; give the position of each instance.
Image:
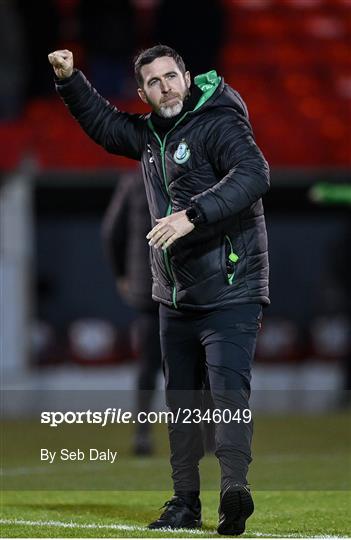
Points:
(194, 215)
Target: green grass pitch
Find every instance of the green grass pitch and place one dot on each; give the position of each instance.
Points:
(125, 514)
(300, 478)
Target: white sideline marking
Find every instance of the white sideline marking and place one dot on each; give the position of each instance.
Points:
(72, 525)
(322, 536)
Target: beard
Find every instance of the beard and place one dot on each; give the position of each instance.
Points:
(168, 111)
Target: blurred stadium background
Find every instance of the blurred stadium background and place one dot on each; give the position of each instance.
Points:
(63, 324)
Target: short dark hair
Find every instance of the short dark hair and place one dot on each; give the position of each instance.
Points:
(149, 55)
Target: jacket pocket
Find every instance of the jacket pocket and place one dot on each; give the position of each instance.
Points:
(158, 267)
(230, 260)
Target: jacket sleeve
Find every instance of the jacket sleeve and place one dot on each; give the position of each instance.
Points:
(118, 132)
(236, 158)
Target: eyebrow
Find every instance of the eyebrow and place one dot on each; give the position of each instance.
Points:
(165, 75)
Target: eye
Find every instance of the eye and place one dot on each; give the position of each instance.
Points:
(172, 76)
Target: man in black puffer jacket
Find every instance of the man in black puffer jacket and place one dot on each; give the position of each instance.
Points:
(204, 177)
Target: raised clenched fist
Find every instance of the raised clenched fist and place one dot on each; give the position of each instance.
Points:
(62, 62)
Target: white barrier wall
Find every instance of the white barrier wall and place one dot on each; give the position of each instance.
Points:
(16, 256)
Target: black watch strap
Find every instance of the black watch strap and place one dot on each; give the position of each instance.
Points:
(194, 215)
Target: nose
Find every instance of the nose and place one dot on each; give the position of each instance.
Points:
(165, 87)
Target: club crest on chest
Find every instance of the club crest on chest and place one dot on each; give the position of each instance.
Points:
(182, 153)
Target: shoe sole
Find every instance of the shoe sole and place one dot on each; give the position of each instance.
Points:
(237, 505)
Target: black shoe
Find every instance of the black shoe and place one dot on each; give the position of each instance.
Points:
(235, 507)
(178, 515)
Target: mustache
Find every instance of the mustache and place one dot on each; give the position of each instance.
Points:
(170, 96)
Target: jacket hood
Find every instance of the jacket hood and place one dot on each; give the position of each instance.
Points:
(216, 93)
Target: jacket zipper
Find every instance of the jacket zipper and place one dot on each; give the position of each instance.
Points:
(169, 209)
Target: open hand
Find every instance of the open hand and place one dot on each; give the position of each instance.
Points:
(169, 229)
(62, 62)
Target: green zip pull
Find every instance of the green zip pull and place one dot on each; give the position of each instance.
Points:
(233, 257)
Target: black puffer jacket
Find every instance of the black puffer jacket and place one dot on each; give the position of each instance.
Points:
(209, 158)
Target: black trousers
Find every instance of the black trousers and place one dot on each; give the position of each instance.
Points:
(224, 340)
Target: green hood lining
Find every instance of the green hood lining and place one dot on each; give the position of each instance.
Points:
(208, 84)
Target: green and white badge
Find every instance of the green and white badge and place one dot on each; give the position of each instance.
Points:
(182, 154)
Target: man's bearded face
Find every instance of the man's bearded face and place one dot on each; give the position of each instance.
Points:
(165, 87)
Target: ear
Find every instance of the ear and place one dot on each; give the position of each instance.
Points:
(142, 95)
(187, 78)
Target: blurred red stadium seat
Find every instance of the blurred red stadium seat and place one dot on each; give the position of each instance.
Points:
(291, 62)
(289, 59)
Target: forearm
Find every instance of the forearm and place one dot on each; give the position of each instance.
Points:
(91, 110)
(114, 130)
(242, 186)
